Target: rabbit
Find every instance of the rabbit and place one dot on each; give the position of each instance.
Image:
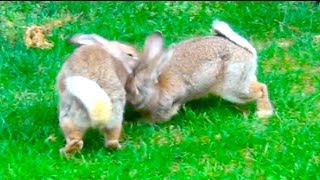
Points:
(223, 65)
(91, 90)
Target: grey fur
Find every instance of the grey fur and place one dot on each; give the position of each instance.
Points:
(197, 67)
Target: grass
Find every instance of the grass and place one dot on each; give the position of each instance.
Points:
(210, 138)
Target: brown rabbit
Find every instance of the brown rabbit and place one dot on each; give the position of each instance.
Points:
(91, 89)
(223, 65)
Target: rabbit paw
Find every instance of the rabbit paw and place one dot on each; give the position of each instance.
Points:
(113, 144)
(264, 113)
(72, 147)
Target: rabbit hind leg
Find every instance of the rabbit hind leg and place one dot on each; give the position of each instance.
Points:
(259, 91)
(247, 92)
(112, 130)
(73, 135)
(112, 136)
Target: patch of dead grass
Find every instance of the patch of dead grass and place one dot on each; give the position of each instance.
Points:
(36, 35)
(9, 26)
(316, 39)
(172, 135)
(289, 64)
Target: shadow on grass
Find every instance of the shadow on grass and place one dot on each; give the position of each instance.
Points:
(94, 139)
(199, 106)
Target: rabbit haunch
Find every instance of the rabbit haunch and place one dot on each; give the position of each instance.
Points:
(91, 91)
(95, 100)
(223, 65)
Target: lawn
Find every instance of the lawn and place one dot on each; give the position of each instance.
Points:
(209, 138)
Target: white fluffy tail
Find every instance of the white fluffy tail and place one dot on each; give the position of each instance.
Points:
(223, 28)
(95, 100)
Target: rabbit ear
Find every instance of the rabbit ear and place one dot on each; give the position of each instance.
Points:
(84, 39)
(153, 46)
(154, 57)
(120, 51)
(142, 83)
(163, 60)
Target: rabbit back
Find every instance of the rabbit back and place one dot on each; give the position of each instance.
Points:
(94, 63)
(209, 64)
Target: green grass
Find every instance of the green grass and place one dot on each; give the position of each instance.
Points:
(210, 138)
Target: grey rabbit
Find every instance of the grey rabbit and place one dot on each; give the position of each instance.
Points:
(224, 65)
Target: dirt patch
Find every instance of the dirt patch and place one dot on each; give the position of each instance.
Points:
(36, 35)
(316, 39)
(284, 43)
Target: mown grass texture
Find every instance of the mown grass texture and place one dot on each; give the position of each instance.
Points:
(209, 138)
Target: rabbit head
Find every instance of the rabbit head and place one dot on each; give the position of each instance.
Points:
(140, 84)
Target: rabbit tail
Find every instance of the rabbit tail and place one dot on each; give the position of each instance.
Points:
(224, 29)
(94, 98)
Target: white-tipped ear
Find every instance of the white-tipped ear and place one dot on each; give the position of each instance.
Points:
(83, 39)
(153, 45)
(112, 47)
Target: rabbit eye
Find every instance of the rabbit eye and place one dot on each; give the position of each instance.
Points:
(131, 55)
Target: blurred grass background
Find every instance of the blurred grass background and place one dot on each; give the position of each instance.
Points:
(210, 138)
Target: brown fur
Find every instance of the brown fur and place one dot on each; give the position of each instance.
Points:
(95, 63)
(202, 65)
